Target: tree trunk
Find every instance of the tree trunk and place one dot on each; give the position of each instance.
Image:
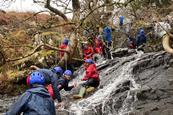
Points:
(54, 10)
(108, 12)
(76, 10)
(108, 7)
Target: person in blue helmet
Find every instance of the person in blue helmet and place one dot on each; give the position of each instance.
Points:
(51, 76)
(141, 38)
(121, 21)
(63, 46)
(107, 34)
(36, 100)
(63, 82)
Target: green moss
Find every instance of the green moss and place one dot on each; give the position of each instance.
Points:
(46, 53)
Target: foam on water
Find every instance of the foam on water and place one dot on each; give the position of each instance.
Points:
(102, 96)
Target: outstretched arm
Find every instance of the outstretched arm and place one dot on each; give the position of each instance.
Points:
(54, 83)
(34, 67)
(68, 88)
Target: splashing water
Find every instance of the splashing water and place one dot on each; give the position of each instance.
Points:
(104, 97)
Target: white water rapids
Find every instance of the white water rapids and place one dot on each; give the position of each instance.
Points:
(118, 73)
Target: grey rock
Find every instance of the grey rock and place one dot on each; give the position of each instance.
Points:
(153, 96)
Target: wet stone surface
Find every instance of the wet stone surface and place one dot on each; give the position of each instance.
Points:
(137, 84)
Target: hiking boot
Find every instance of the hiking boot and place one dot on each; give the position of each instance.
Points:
(77, 97)
(81, 93)
(90, 89)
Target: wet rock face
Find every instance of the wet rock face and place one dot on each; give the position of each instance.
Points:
(144, 87)
(155, 95)
(138, 84)
(5, 102)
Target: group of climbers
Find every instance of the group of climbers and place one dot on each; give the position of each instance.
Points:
(133, 42)
(99, 44)
(44, 86)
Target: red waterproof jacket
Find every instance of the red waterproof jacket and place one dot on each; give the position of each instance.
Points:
(62, 46)
(28, 80)
(98, 46)
(91, 72)
(88, 52)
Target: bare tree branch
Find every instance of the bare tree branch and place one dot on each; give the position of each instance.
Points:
(64, 24)
(54, 10)
(32, 16)
(38, 48)
(103, 5)
(76, 10)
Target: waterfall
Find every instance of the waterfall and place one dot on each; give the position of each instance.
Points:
(128, 84)
(121, 72)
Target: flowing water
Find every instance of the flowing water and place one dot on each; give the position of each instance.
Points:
(111, 79)
(117, 93)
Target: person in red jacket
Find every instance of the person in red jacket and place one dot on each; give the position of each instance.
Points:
(88, 51)
(91, 78)
(63, 46)
(98, 45)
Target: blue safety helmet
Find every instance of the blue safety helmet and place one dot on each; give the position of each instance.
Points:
(65, 41)
(57, 70)
(142, 31)
(90, 61)
(37, 78)
(68, 72)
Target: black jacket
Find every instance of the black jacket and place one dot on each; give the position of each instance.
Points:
(52, 78)
(64, 83)
(35, 101)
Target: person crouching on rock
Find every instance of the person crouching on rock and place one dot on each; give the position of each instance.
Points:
(63, 83)
(36, 100)
(91, 79)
